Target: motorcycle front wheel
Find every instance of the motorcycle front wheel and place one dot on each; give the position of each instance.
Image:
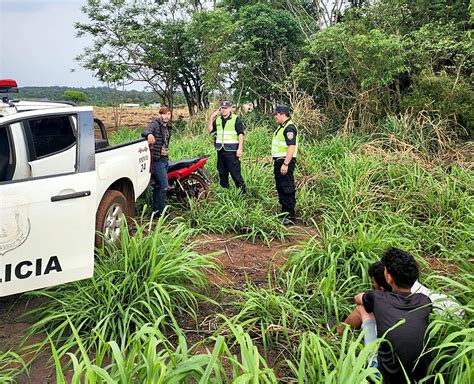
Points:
(192, 187)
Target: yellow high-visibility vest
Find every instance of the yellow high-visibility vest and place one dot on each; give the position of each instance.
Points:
(279, 147)
(226, 136)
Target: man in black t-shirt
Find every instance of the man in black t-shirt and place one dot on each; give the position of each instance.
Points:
(403, 344)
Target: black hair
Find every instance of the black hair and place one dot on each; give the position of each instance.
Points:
(402, 266)
(376, 270)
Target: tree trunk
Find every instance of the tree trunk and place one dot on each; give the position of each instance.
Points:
(188, 97)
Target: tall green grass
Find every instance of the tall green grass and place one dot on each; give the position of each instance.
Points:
(279, 312)
(322, 360)
(124, 135)
(149, 356)
(150, 275)
(364, 194)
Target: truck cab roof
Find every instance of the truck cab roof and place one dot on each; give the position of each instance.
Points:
(11, 106)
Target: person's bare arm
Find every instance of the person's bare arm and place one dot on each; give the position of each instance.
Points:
(240, 149)
(358, 298)
(211, 120)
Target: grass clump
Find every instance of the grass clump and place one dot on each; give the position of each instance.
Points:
(320, 359)
(150, 275)
(148, 356)
(278, 312)
(229, 210)
(451, 344)
(11, 365)
(124, 135)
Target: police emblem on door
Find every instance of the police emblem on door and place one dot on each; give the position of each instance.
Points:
(14, 226)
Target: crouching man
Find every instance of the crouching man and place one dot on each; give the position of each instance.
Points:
(381, 310)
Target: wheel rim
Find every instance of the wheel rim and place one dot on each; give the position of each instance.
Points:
(194, 189)
(112, 222)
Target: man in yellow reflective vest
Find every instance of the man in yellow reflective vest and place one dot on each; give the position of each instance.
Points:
(229, 144)
(284, 151)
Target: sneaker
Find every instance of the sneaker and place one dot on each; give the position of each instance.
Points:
(286, 221)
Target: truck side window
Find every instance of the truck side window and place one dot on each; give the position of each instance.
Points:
(51, 135)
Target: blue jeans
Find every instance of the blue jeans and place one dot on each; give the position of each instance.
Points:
(159, 171)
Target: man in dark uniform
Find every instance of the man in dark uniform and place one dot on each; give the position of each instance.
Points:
(158, 134)
(229, 144)
(284, 151)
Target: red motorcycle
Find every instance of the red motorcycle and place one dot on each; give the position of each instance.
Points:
(188, 179)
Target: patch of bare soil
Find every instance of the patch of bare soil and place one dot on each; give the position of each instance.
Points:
(132, 117)
(243, 260)
(239, 260)
(13, 327)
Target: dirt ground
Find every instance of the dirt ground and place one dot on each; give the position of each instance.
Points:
(131, 117)
(239, 260)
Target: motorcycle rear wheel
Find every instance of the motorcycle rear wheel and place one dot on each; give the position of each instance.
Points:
(204, 173)
(192, 187)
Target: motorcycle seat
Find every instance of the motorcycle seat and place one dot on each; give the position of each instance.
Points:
(175, 165)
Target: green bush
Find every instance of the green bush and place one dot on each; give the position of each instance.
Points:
(449, 96)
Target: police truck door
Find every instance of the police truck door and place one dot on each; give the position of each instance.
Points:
(47, 198)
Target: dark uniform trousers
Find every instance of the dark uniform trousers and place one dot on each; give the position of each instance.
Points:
(228, 162)
(285, 186)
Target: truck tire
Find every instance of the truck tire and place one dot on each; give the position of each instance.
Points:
(111, 212)
(193, 187)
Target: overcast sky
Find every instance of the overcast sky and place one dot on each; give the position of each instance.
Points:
(38, 43)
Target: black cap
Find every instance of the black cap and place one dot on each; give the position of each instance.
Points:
(226, 104)
(282, 109)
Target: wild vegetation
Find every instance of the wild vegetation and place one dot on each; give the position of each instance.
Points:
(359, 191)
(356, 63)
(382, 96)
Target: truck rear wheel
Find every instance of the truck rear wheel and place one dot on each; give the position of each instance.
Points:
(110, 215)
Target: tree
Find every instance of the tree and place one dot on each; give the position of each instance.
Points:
(214, 35)
(132, 42)
(75, 96)
(267, 44)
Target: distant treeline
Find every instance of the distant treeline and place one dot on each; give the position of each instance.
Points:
(95, 95)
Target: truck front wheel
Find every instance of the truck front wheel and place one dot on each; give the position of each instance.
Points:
(110, 216)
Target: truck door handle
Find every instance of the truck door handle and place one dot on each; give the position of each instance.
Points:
(75, 195)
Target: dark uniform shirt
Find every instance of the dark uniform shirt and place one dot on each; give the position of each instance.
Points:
(162, 134)
(404, 342)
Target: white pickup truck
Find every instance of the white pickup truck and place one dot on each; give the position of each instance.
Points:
(59, 183)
